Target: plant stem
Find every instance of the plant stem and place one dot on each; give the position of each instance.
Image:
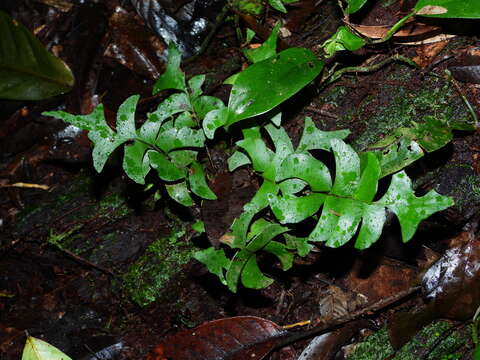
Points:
(364, 69)
(394, 29)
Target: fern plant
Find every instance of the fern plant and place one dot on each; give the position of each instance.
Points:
(169, 141)
(297, 186)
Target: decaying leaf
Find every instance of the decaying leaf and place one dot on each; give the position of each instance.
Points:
(236, 338)
(432, 10)
(453, 282)
(452, 287)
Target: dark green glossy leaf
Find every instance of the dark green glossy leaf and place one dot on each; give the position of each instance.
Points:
(252, 276)
(278, 5)
(204, 104)
(255, 147)
(347, 169)
(410, 209)
(305, 167)
(281, 252)
(184, 119)
(301, 245)
(354, 5)
(198, 184)
(267, 50)
(166, 169)
(27, 70)
(195, 85)
(433, 134)
(136, 162)
(468, 9)
(173, 77)
(367, 186)
(214, 120)
(293, 209)
(179, 192)
(244, 262)
(126, 118)
(105, 140)
(182, 158)
(215, 260)
(398, 155)
(175, 138)
(236, 267)
(338, 222)
(237, 159)
(315, 139)
(259, 201)
(292, 186)
(267, 83)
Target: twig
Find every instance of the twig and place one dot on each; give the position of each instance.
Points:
(321, 112)
(336, 323)
(364, 69)
(443, 336)
(88, 263)
(26, 185)
(464, 98)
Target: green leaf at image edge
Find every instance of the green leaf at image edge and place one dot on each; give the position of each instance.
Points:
(27, 70)
(354, 5)
(448, 9)
(36, 349)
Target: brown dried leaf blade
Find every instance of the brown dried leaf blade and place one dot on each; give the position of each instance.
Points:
(235, 338)
(453, 282)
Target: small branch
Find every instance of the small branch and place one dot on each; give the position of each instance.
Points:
(464, 98)
(365, 69)
(26, 185)
(439, 340)
(335, 324)
(394, 29)
(321, 112)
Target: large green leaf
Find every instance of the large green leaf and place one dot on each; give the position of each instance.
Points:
(267, 83)
(36, 349)
(354, 5)
(27, 70)
(173, 77)
(466, 9)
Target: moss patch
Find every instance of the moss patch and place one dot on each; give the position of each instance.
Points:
(377, 346)
(162, 259)
(393, 100)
